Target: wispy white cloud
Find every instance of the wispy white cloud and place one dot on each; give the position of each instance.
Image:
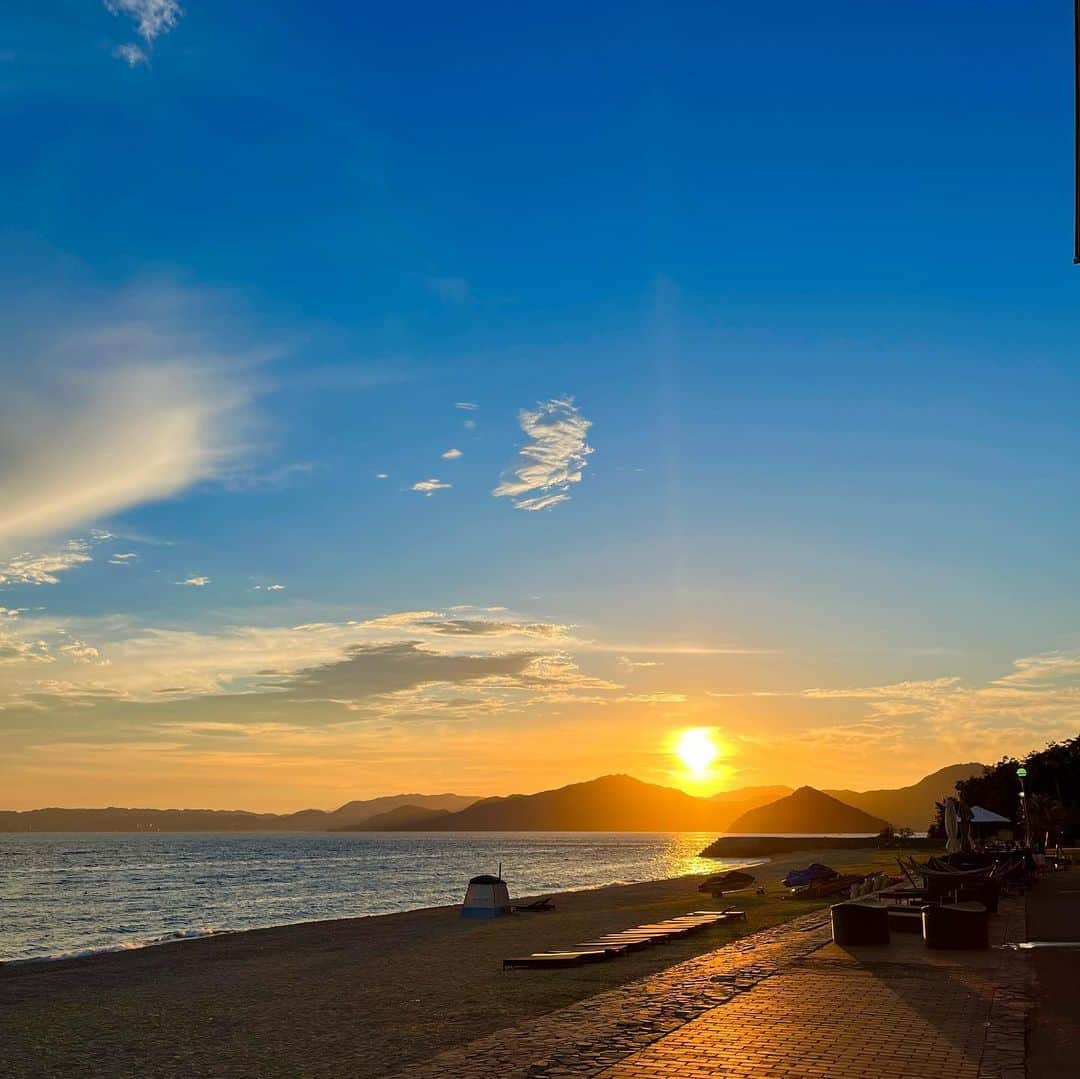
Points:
(269, 588)
(1037, 701)
(452, 454)
(122, 406)
(552, 462)
(470, 425)
(382, 475)
(29, 568)
(429, 487)
(152, 19)
(467, 406)
(195, 582)
(244, 478)
(629, 665)
(133, 55)
(122, 559)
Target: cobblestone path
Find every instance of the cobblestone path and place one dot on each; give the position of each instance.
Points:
(784, 1002)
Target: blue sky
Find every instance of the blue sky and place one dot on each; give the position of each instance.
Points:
(803, 272)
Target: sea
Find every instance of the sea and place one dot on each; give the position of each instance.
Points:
(70, 894)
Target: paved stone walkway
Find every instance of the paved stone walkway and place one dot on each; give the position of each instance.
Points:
(784, 1002)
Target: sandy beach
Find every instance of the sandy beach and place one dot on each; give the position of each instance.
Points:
(355, 997)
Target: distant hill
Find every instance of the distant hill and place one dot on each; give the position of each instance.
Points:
(113, 819)
(401, 817)
(616, 803)
(806, 812)
(910, 807)
(352, 813)
(744, 798)
(608, 804)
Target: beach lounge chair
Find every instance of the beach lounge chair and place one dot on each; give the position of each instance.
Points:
(555, 960)
(632, 942)
(609, 947)
(543, 903)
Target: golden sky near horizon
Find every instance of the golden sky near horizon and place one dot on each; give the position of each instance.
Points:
(471, 701)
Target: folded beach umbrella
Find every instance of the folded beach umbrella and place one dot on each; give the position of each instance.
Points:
(952, 826)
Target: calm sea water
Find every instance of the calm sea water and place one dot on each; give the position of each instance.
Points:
(75, 893)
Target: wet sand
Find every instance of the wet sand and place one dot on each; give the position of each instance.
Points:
(356, 997)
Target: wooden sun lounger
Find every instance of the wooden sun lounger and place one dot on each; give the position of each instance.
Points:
(628, 944)
(653, 936)
(543, 903)
(610, 947)
(555, 960)
(629, 934)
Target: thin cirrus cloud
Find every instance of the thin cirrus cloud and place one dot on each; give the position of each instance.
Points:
(552, 461)
(429, 487)
(195, 582)
(452, 454)
(134, 381)
(152, 18)
(466, 406)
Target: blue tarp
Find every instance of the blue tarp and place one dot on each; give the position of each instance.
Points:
(810, 875)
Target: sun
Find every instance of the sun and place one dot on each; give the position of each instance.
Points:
(697, 749)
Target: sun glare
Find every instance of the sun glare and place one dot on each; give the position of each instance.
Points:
(697, 749)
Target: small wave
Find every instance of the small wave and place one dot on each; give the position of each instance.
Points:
(121, 946)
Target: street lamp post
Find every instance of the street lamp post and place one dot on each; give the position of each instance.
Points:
(1021, 772)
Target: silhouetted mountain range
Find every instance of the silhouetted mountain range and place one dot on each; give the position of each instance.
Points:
(611, 803)
(907, 807)
(807, 811)
(114, 819)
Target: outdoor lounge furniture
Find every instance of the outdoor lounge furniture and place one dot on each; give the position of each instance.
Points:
(905, 919)
(543, 903)
(903, 895)
(986, 892)
(609, 945)
(956, 925)
(857, 924)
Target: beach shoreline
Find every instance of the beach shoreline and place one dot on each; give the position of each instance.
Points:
(367, 995)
